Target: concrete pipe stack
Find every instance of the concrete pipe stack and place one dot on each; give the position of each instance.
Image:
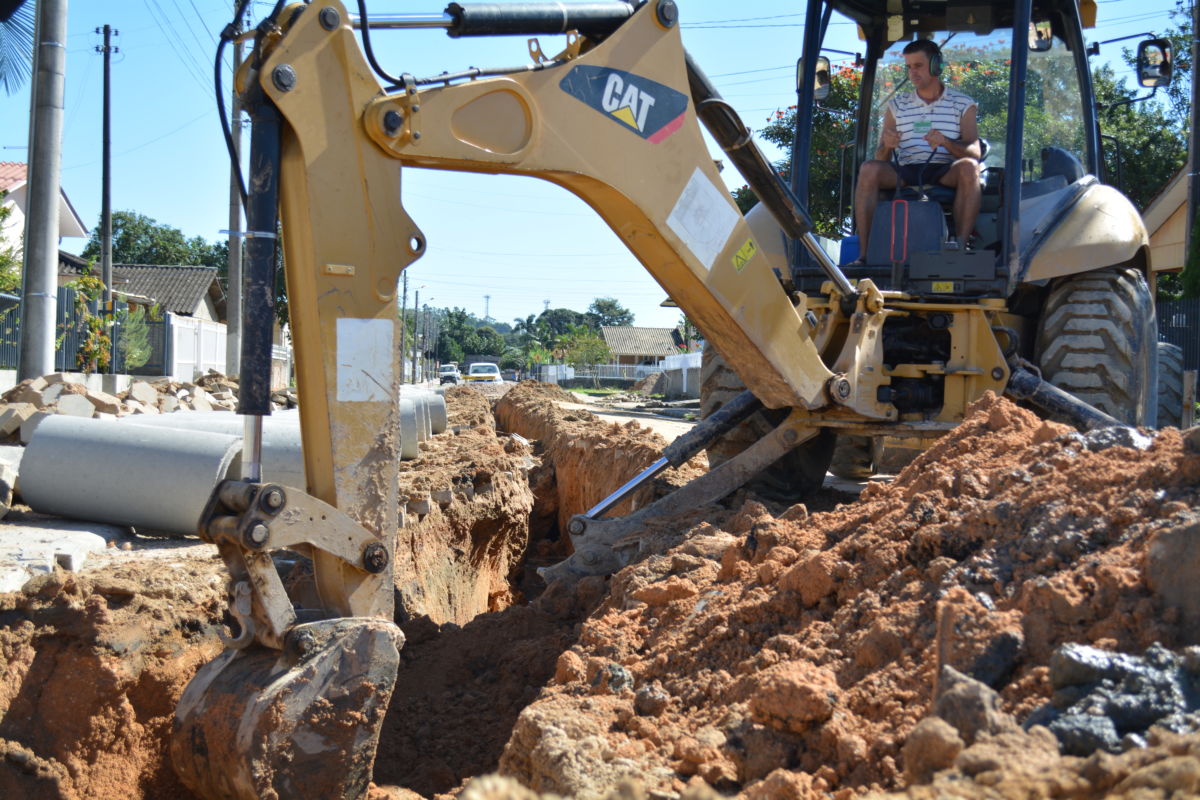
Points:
(100, 470)
(157, 471)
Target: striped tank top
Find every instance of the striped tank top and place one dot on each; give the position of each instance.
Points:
(915, 118)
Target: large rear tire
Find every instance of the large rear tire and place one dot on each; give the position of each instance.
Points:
(793, 478)
(1170, 385)
(1096, 339)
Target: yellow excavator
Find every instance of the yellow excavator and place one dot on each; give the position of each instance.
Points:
(824, 357)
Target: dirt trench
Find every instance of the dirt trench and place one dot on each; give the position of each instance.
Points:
(98, 659)
(916, 642)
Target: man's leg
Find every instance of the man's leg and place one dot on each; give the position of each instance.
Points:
(873, 176)
(963, 176)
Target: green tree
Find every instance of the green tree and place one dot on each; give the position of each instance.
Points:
(138, 239)
(1153, 145)
(483, 342)
(16, 44)
(134, 342)
(583, 348)
(10, 258)
(833, 129)
(558, 321)
(607, 311)
(691, 334)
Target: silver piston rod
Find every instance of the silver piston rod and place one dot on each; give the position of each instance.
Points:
(689, 444)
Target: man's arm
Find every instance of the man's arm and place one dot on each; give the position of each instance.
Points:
(966, 147)
(889, 137)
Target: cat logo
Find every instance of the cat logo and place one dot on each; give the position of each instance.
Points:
(647, 108)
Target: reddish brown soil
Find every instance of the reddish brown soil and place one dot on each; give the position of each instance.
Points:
(795, 657)
(587, 459)
(766, 653)
(467, 517)
(95, 664)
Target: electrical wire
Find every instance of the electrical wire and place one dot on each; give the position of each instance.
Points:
(228, 33)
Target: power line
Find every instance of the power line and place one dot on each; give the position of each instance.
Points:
(146, 143)
(190, 65)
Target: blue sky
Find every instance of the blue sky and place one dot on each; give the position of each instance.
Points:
(518, 241)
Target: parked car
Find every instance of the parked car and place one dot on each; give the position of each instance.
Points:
(449, 374)
(483, 372)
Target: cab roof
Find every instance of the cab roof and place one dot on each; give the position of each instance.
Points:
(954, 15)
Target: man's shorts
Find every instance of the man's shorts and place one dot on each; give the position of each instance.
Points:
(922, 174)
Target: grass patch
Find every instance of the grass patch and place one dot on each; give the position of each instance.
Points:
(601, 392)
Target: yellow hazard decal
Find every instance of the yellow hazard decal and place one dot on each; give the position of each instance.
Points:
(742, 257)
(943, 287)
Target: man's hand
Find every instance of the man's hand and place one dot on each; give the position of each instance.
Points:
(890, 139)
(936, 139)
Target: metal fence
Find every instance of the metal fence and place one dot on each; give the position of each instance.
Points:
(10, 331)
(617, 371)
(1179, 324)
(70, 335)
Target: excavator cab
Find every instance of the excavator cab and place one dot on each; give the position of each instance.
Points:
(1050, 232)
(1025, 64)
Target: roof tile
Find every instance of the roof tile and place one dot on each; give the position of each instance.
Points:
(11, 174)
(630, 341)
(180, 290)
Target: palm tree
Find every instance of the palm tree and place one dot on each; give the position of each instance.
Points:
(16, 43)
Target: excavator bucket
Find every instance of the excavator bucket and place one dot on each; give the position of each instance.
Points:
(299, 722)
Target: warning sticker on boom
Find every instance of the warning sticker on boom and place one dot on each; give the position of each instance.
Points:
(743, 255)
(646, 107)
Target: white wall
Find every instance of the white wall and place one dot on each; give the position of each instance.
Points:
(198, 345)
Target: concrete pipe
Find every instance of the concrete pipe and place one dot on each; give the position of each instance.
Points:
(437, 412)
(434, 403)
(408, 429)
(106, 471)
(422, 417)
(282, 453)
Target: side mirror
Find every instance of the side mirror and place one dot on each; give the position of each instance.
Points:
(821, 81)
(1041, 38)
(1154, 65)
(822, 86)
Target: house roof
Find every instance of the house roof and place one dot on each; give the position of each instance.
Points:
(14, 175)
(630, 341)
(180, 290)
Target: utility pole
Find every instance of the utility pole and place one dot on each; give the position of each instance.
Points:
(106, 275)
(233, 292)
(1193, 205)
(425, 343)
(39, 293)
(416, 329)
(403, 322)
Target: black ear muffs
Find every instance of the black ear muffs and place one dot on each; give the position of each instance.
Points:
(936, 63)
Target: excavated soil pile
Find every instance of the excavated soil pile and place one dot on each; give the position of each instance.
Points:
(1017, 573)
(585, 460)
(791, 656)
(95, 663)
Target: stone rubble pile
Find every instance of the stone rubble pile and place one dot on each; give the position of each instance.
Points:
(26, 404)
